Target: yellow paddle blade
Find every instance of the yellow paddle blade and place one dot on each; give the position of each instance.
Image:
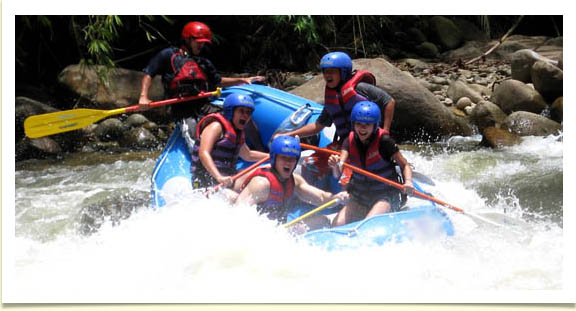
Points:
(64, 121)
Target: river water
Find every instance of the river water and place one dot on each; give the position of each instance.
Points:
(84, 233)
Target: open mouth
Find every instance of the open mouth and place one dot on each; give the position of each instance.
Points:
(242, 121)
(287, 169)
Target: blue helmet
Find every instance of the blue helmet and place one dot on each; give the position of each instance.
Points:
(236, 100)
(285, 145)
(338, 60)
(365, 112)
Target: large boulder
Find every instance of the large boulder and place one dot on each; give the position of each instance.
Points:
(522, 62)
(547, 80)
(524, 123)
(487, 114)
(418, 112)
(122, 89)
(513, 95)
(110, 130)
(138, 138)
(556, 110)
(459, 89)
(43, 147)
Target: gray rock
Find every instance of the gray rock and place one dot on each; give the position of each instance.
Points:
(513, 95)
(138, 138)
(459, 89)
(123, 88)
(524, 123)
(522, 62)
(430, 86)
(416, 64)
(556, 110)
(463, 102)
(136, 120)
(486, 114)
(110, 130)
(547, 80)
(417, 111)
(439, 80)
(37, 148)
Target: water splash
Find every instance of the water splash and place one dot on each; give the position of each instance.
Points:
(200, 250)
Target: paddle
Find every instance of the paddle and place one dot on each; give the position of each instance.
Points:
(238, 175)
(401, 187)
(312, 212)
(415, 175)
(68, 120)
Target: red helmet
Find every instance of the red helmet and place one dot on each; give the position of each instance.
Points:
(197, 30)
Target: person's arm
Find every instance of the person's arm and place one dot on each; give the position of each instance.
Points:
(337, 161)
(208, 139)
(388, 115)
(382, 99)
(144, 101)
(157, 65)
(256, 191)
(231, 81)
(313, 195)
(305, 131)
(251, 155)
(324, 120)
(407, 170)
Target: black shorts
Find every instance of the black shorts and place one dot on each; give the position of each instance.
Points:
(367, 199)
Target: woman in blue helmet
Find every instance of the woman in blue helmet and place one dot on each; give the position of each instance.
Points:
(219, 141)
(369, 147)
(273, 188)
(344, 88)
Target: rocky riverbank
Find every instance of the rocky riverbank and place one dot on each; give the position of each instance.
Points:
(514, 91)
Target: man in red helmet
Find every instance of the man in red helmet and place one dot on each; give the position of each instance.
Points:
(185, 73)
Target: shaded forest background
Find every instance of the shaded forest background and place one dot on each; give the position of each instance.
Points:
(47, 44)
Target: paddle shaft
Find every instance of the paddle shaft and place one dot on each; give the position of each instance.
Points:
(382, 179)
(243, 172)
(399, 186)
(175, 100)
(312, 212)
(41, 125)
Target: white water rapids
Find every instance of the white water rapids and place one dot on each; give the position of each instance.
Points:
(204, 250)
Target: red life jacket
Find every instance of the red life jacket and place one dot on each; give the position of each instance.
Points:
(373, 162)
(339, 102)
(225, 151)
(187, 78)
(280, 196)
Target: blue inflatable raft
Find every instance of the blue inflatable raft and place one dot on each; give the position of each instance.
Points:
(275, 110)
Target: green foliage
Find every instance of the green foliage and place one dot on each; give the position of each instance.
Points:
(99, 34)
